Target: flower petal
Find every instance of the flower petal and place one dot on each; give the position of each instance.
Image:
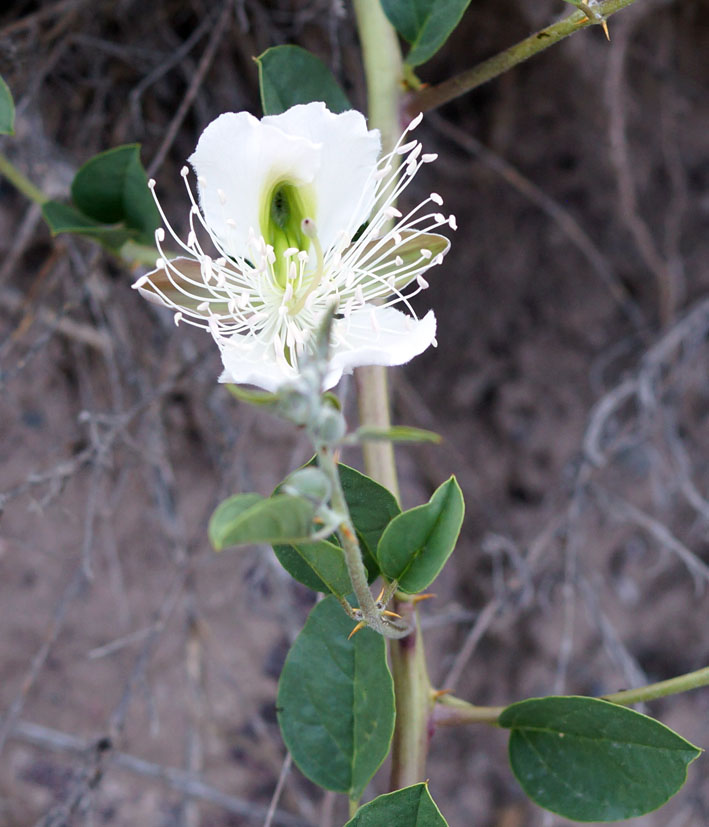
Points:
(377, 336)
(344, 183)
(239, 159)
(253, 362)
(180, 285)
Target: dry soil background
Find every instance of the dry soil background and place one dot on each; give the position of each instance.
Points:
(138, 668)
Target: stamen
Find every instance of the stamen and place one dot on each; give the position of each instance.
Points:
(416, 121)
(404, 148)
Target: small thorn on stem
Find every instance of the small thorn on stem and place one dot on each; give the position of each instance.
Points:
(439, 693)
(356, 629)
(419, 597)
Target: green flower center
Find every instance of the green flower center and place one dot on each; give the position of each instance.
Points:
(283, 209)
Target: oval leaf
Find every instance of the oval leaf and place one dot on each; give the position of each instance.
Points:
(62, 218)
(416, 544)
(289, 75)
(412, 806)
(319, 566)
(591, 760)
(7, 109)
(112, 188)
(249, 518)
(372, 506)
(336, 701)
(425, 24)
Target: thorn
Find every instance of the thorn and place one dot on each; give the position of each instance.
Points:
(439, 693)
(381, 594)
(604, 23)
(356, 629)
(419, 597)
(391, 614)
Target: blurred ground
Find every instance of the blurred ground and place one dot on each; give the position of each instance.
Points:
(570, 383)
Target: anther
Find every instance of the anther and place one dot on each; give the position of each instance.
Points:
(160, 235)
(407, 147)
(184, 172)
(436, 198)
(416, 121)
(151, 184)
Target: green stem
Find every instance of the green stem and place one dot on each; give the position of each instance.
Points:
(434, 96)
(414, 705)
(673, 686)
(452, 711)
(384, 74)
(20, 181)
(368, 610)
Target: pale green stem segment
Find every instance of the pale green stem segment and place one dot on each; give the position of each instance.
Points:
(383, 71)
(434, 96)
(385, 83)
(414, 704)
(20, 181)
(452, 711)
(673, 686)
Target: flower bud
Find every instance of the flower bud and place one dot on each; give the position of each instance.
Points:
(310, 483)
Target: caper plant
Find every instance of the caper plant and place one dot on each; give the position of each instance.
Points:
(301, 265)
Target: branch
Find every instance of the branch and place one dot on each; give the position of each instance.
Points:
(433, 96)
(452, 711)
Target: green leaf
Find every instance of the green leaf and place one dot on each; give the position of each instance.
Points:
(398, 433)
(372, 506)
(249, 518)
(425, 24)
(63, 218)
(591, 760)
(7, 110)
(336, 701)
(320, 566)
(112, 188)
(289, 75)
(253, 397)
(416, 544)
(412, 807)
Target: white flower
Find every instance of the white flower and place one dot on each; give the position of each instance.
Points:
(300, 212)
